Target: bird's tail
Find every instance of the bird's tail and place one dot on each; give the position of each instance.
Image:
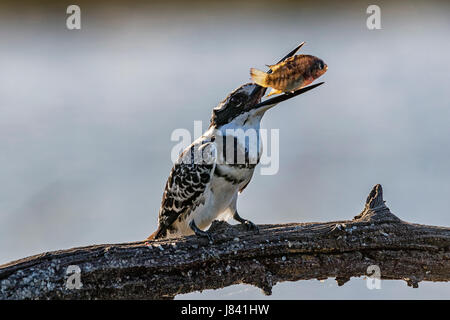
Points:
(153, 235)
(259, 77)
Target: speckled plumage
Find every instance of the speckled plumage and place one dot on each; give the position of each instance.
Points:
(185, 188)
(203, 184)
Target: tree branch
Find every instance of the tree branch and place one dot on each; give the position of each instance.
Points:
(281, 252)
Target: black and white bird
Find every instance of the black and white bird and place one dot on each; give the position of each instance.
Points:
(208, 176)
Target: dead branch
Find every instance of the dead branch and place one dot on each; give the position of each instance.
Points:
(283, 252)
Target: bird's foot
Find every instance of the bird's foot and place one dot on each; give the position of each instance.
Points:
(251, 226)
(247, 223)
(207, 235)
(200, 233)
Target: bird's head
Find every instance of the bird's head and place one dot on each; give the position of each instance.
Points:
(239, 104)
(244, 103)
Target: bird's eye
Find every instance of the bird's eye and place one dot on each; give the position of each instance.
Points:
(236, 101)
(321, 65)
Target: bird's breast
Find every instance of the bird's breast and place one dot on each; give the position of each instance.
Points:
(241, 148)
(234, 174)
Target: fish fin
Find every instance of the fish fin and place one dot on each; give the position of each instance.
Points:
(274, 91)
(259, 77)
(275, 67)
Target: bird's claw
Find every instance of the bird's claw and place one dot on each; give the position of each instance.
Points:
(200, 233)
(247, 223)
(251, 226)
(205, 234)
(209, 236)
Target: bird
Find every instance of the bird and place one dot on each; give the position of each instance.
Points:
(208, 176)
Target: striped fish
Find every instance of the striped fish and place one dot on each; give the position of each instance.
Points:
(292, 74)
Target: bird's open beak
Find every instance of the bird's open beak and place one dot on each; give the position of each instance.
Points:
(260, 91)
(286, 96)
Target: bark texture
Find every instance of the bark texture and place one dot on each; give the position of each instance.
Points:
(280, 252)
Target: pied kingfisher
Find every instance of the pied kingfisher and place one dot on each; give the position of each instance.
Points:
(208, 176)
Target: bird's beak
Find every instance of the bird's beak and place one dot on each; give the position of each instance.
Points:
(272, 102)
(269, 103)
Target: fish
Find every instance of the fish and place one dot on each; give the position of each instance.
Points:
(292, 74)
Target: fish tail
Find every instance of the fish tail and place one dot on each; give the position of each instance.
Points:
(259, 77)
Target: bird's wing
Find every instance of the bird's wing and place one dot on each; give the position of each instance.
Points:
(187, 182)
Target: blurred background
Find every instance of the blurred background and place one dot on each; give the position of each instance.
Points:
(86, 118)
